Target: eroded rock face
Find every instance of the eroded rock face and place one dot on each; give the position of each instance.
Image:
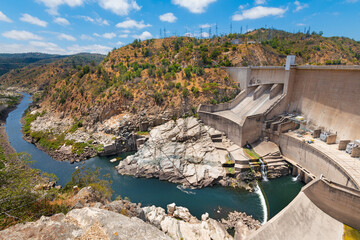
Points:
(182, 225)
(180, 152)
(85, 223)
(243, 224)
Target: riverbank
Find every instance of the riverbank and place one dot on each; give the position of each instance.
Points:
(5, 144)
(92, 216)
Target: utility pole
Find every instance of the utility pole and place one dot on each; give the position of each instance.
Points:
(210, 32)
(164, 32)
(230, 28)
(216, 27)
(160, 33)
(201, 32)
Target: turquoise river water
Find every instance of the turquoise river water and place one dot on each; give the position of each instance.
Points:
(217, 201)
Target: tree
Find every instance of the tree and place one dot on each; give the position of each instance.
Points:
(84, 177)
(188, 72)
(21, 197)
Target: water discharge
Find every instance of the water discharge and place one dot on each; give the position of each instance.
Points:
(294, 179)
(263, 170)
(265, 210)
(217, 201)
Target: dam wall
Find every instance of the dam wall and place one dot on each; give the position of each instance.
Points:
(337, 201)
(314, 160)
(328, 97)
(319, 211)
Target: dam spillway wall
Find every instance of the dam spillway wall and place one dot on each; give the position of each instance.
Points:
(314, 160)
(328, 97)
(318, 212)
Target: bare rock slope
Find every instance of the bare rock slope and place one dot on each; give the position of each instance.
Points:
(179, 151)
(85, 223)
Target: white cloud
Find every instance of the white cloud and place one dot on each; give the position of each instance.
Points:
(194, 6)
(259, 2)
(86, 37)
(145, 35)
(89, 48)
(123, 35)
(259, 12)
(188, 35)
(119, 7)
(243, 6)
(105, 35)
(48, 47)
(300, 24)
(300, 6)
(120, 43)
(34, 46)
(67, 37)
(352, 1)
(204, 35)
(21, 35)
(168, 17)
(109, 35)
(33, 20)
(129, 23)
(53, 5)
(206, 25)
(52, 48)
(4, 18)
(61, 21)
(98, 20)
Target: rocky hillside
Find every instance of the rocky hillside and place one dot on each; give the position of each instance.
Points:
(172, 75)
(147, 83)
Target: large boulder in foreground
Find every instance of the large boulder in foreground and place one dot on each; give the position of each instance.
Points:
(85, 223)
(179, 151)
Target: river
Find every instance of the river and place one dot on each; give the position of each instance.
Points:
(217, 201)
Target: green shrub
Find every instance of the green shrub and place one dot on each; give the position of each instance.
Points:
(83, 177)
(188, 72)
(185, 92)
(159, 98)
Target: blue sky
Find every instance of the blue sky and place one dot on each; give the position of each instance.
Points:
(72, 26)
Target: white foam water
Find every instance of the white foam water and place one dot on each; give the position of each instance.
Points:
(185, 190)
(263, 204)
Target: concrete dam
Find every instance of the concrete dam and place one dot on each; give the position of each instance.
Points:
(312, 114)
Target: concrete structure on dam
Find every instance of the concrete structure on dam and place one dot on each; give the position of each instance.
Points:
(326, 100)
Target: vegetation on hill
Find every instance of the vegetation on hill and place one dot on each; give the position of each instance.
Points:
(16, 61)
(174, 74)
(40, 74)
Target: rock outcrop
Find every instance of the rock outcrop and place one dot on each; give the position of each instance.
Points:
(180, 224)
(85, 223)
(242, 224)
(179, 151)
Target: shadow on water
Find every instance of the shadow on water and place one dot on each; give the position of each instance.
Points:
(217, 201)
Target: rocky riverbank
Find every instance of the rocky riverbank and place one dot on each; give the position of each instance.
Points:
(92, 217)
